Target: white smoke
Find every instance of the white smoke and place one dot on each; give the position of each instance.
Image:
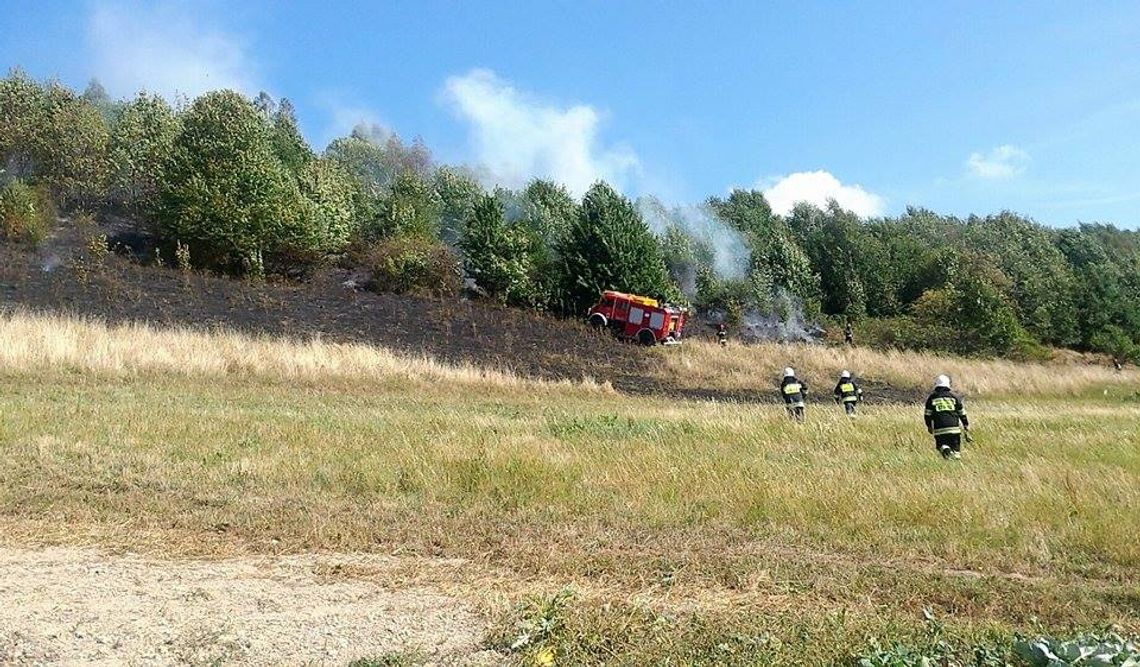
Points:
(518, 137)
(165, 48)
(785, 323)
(730, 252)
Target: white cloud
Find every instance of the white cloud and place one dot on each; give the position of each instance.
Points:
(817, 187)
(1005, 161)
(164, 49)
(518, 138)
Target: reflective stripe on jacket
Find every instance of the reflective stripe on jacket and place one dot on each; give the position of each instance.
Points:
(847, 391)
(945, 414)
(793, 391)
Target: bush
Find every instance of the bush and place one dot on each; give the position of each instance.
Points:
(1113, 340)
(26, 213)
(412, 265)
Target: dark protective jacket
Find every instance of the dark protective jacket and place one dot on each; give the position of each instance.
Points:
(794, 392)
(945, 414)
(847, 391)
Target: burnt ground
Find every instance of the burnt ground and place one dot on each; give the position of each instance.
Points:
(62, 276)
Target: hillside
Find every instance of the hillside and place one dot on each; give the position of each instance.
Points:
(62, 276)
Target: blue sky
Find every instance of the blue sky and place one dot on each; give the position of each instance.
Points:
(961, 107)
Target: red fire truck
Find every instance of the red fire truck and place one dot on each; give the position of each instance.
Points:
(648, 321)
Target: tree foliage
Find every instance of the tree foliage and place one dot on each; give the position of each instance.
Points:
(141, 145)
(227, 192)
(609, 246)
(53, 137)
(499, 255)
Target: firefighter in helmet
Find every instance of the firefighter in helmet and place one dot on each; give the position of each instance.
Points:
(722, 334)
(848, 393)
(946, 419)
(794, 393)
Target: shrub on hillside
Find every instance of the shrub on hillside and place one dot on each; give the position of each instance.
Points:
(1113, 340)
(411, 265)
(26, 213)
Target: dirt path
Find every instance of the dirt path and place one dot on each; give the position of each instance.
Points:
(79, 606)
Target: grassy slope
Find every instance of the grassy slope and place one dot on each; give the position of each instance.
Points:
(717, 531)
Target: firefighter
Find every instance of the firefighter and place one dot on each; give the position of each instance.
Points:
(848, 393)
(848, 334)
(946, 419)
(1117, 365)
(794, 393)
(722, 335)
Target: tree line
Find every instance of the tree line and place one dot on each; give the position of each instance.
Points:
(229, 184)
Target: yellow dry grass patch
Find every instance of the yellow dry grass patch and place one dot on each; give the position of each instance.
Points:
(38, 343)
(758, 367)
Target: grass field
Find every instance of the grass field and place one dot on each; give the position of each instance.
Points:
(683, 531)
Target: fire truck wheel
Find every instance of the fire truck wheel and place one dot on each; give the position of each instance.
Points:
(646, 337)
(597, 320)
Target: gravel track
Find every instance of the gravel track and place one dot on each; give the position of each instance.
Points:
(78, 606)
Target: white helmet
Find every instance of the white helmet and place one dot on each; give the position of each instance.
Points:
(789, 372)
(846, 375)
(942, 381)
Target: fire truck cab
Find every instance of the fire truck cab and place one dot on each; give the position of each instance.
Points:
(648, 321)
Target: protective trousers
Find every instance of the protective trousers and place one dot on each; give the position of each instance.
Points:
(945, 444)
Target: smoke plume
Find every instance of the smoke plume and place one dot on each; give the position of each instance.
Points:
(730, 252)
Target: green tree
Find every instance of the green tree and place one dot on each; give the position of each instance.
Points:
(1105, 263)
(983, 317)
(328, 195)
(458, 193)
(288, 144)
(548, 210)
(375, 159)
(23, 105)
(96, 95)
(51, 136)
(74, 152)
(227, 193)
(412, 207)
(778, 264)
(1041, 280)
(609, 246)
(831, 239)
(140, 147)
(497, 254)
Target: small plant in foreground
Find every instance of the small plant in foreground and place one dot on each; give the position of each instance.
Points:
(182, 256)
(932, 651)
(539, 625)
(1092, 649)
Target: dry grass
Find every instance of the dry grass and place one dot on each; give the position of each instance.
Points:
(728, 513)
(757, 367)
(35, 343)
